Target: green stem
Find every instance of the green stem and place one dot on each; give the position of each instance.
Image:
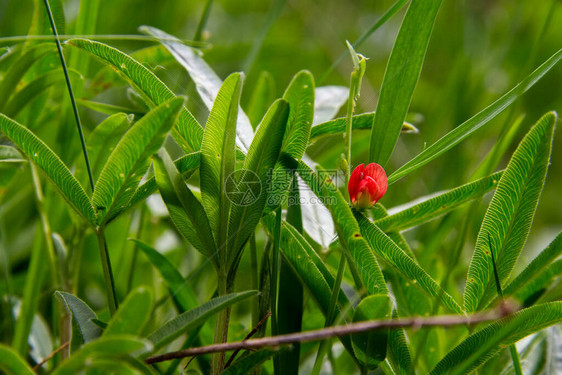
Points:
(72, 100)
(203, 20)
(516, 360)
(221, 331)
(275, 280)
(107, 272)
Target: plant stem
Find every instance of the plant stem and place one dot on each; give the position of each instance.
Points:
(107, 272)
(221, 331)
(72, 100)
(203, 20)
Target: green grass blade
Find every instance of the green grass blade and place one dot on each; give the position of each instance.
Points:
(186, 212)
(487, 342)
(179, 289)
(537, 266)
(383, 246)
(539, 286)
(439, 205)
(468, 127)
(401, 76)
(132, 315)
(250, 194)
(12, 363)
(263, 95)
(207, 82)
(195, 317)
(37, 151)
(113, 347)
(84, 329)
(508, 219)
(218, 158)
(188, 132)
(130, 158)
(348, 229)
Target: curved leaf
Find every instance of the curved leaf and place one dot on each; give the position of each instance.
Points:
(12, 363)
(37, 151)
(487, 342)
(459, 133)
(401, 76)
(128, 162)
(250, 193)
(362, 121)
(436, 206)
(84, 329)
(508, 219)
(195, 317)
(218, 157)
(188, 132)
(247, 364)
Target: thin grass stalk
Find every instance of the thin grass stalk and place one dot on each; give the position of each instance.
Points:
(107, 272)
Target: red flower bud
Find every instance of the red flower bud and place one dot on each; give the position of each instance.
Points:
(367, 185)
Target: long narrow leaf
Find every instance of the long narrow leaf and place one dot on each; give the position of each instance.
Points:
(468, 127)
(195, 317)
(132, 315)
(401, 76)
(188, 132)
(128, 162)
(12, 363)
(508, 219)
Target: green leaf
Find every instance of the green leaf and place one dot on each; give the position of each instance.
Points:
(362, 121)
(300, 96)
(109, 109)
(537, 267)
(218, 158)
(185, 210)
(348, 229)
(132, 315)
(383, 246)
(37, 151)
(114, 347)
(484, 344)
(249, 196)
(19, 67)
(370, 347)
(263, 95)
(130, 158)
(12, 363)
(399, 351)
(431, 208)
(195, 317)
(187, 131)
(83, 329)
(179, 289)
(104, 138)
(468, 127)
(401, 76)
(207, 82)
(539, 284)
(509, 216)
(250, 362)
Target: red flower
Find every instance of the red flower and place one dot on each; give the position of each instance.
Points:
(367, 185)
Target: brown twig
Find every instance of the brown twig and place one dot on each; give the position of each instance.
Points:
(337, 331)
(37, 366)
(248, 336)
